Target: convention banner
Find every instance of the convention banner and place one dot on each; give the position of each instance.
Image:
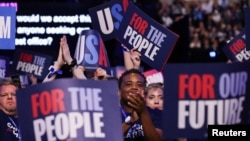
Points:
(153, 76)
(152, 40)
(29, 62)
(90, 51)
(106, 18)
(70, 110)
(4, 66)
(236, 49)
(198, 95)
(247, 26)
(7, 28)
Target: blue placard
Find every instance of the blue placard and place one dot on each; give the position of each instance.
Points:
(107, 18)
(30, 62)
(236, 50)
(198, 95)
(70, 109)
(90, 51)
(4, 66)
(7, 28)
(152, 40)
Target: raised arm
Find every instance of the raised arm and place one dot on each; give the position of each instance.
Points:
(131, 58)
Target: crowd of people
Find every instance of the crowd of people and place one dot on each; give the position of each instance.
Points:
(211, 25)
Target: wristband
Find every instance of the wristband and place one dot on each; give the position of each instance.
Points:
(128, 120)
(52, 71)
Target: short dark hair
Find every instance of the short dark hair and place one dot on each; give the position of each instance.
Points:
(127, 72)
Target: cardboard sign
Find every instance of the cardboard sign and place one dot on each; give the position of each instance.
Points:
(70, 109)
(204, 94)
(152, 40)
(7, 27)
(247, 26)
(4, 66)
(236, 50)
(29, 62)
(107, 18)
(90, 51)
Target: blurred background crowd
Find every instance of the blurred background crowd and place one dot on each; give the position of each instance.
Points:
(204, 26)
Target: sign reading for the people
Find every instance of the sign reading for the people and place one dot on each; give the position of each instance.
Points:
(7, 28)
(90, 51)
(236, 49)
(198, 95)
(152, 40)
(4, 66)
(247, 26)
(29, 62)
(107, 18)
(70, 109)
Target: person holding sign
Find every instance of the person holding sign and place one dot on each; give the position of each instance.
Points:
(64, 58)
(138, 122)
(132, 58)
(9, 127)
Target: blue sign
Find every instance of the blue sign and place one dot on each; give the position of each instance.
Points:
(152, 40)
(29, 62)
(74, 109)
(198, 95)
(236, 49)
(7, 28)
(107, 18)
(90, 51)
(4, 66)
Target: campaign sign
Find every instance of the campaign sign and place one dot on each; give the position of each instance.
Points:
(74, 109)
(153, 76)
(153, 41)
(106, 18)
(90, 51)
(29, 62)
(236, 50)
(247, 26)
(7, 28)
(4, 66)
(198, 95)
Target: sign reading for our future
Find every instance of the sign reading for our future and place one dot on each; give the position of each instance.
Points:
(153, 41)
(204, 94)
(29, 62)
(71, 109)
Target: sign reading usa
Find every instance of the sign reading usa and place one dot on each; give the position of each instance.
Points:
(204, 94)
(70, 109)
(153, 41)
(7, 28)
(107, 18)
(90, 51)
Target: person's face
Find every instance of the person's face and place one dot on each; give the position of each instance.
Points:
(154, 98)
(8, 99)
(132, 84)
